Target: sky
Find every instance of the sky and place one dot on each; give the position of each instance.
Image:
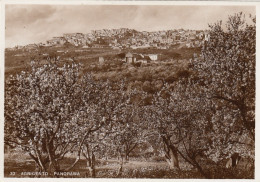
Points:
(25, 24)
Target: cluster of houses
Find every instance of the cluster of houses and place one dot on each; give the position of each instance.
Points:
(127, 38)
(139, 58)
(130, 58)
(165, 39)
(110, 32)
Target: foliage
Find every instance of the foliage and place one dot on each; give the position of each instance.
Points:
(43, 112)
(180, 116)
(128, 130)
(227, 70)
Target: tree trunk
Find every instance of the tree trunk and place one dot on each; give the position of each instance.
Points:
(87, 155)
(92, 172)
(205, 174)
(171, 154)
(92, 169)
(53, 165)
(172, 158)
(120, 169)
(126, 157)
(194, 163)
(38, 166)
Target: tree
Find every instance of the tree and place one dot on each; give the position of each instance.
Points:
(119, 132)
(91, 123)
(126, 129)
(180, 116)
(160, 121)
(129, 131)
(45, 112)
(227, 70)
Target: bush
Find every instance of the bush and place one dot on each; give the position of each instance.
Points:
(183, 74)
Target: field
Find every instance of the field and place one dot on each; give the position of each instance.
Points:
(16, 61)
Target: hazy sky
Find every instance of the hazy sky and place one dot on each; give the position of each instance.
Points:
(37, 23)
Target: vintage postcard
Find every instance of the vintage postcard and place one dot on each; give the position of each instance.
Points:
(128, 90)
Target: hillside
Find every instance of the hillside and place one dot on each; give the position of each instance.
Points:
(18, 60)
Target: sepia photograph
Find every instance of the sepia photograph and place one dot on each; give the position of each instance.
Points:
(129, 91)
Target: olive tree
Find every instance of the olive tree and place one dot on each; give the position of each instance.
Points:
(180, 116)
(227, 72)
(48, 112)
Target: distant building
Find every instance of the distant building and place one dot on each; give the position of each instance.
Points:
(56, 41)
(100, 46)
(116, 48)
(79, 35)
(188, 45)
(69, 35)
(144, 59)
(18, 47)
(163, 47)
(153, 57)
(133, 47)
(177, 37)
(192, 37)
(129, 57)
(207, 37)
(200, 35)
(197, 43)
(11, 49)
(101, 60)
(31, 47)
(97, 46)
(79, 50)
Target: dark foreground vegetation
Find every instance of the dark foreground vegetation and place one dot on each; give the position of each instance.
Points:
(176, 119)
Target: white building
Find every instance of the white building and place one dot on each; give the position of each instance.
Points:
(101, 60)
(153, 57)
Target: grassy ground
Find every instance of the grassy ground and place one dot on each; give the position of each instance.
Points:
(104, 169)
(15, 165)
(16, 61)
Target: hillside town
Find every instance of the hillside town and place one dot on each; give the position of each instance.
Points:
(125, 38)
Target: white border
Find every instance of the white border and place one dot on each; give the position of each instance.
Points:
(129, 2)
(2, 41)
(85, 2)
(257, 116)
